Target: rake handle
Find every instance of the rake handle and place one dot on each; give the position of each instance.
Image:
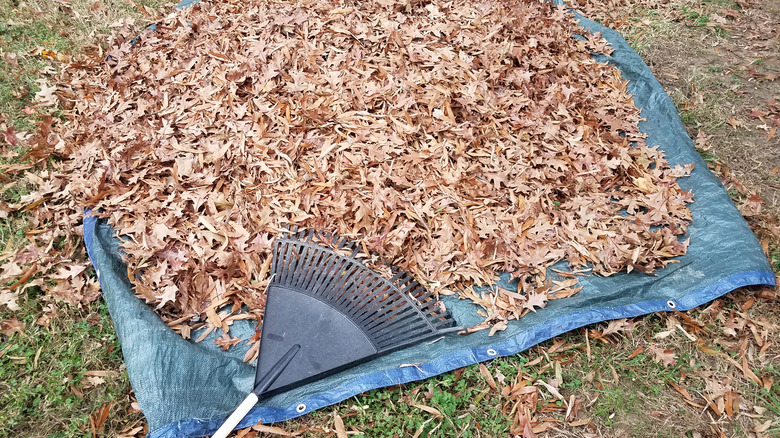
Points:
(251, 400)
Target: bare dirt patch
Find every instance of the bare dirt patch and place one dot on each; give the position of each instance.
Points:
(718, 60)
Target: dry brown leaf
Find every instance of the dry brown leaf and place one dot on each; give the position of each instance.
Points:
(338, 424)
(427, 409)
(99, 417)
(486, 374)
(617, 326)
(273, 430)
(662, 355)
(10, 326)
(9, 298)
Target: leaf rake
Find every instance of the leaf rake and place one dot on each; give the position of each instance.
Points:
(326, 312)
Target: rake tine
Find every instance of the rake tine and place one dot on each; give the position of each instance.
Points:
(342, 281)
(319, 258)
(292, 263)
(358, 301)
(330, 260)
(310, 254)
(352, 290)
(345, 281)
(335, 270)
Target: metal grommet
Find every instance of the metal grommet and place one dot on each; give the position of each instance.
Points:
(300, 408)
(492, 352)
(671, 304)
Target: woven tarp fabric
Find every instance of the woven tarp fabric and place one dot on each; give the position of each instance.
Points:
(186, 389)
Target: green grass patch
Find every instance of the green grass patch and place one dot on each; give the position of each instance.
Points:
(703, 101)
(774, 259)
(20, 37)
(45, 388)
(697, 18)
(12, 235)
(468, 407)
(709, 157)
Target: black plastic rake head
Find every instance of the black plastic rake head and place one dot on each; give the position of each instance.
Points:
(340, 313)
(326, 312)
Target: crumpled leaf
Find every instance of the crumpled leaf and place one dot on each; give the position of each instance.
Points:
(9, 298)
(662, 355)
(10, 326)
(46, 96)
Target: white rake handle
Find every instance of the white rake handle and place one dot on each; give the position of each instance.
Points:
(236, 417)
(251, 400)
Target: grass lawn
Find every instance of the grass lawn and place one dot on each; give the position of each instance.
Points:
(712, 371)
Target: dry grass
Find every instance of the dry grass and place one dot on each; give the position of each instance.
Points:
(718, 61)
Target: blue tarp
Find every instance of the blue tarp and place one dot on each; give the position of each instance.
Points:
(186, 389)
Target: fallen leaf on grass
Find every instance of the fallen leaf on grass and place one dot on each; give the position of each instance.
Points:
(486, 374)
(683, 392)
(767, 382)
(582, 422)
(93, 381)
(703, 142)
(51, 54)
(46, 95)
(10, 326)
(98, 418)
(636, 352)
(11, 59)
(552, 389)
(427, 409)
(10, 135)
(763, 427)
(736, 123)
(662, 355)
(751, 206)
(132, 431)
(101, 373)
(10, 270)
(338, 424)
(617, 326)
(273, 430)
(8, 299)
(749, 374)
(758, 114)
(528, 431)
(767, 76)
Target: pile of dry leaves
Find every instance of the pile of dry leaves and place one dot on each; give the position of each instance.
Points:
(454, 139)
